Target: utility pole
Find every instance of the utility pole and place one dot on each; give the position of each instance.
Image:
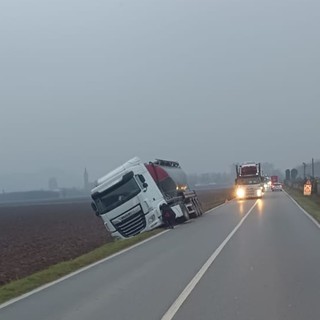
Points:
(304, 169)
(312, 168)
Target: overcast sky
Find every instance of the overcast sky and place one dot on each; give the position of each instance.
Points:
(209, 83)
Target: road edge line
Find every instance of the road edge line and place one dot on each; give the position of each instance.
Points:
(219, 206)
(303, 210)
(66, 277)
(174, 308)
(215, 208)
(92, 265)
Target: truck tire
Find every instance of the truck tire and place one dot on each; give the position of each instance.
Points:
(200, 209)
(185, 212)
(196, 213)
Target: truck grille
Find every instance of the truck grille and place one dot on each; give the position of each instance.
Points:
(132, 224)
(251, 192)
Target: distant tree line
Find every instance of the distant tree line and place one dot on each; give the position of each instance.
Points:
(210, 179)
(43, 195)
(228, 178)
(28, 195)
(296, 177)
(303, 172)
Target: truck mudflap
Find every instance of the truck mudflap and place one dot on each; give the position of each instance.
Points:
(193, 204)
(189, 202)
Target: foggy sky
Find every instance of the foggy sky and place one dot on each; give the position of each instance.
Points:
(209, 83)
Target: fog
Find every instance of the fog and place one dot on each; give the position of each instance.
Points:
(208, 83)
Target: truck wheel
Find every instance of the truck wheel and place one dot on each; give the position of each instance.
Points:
(195, 208)
(185, 212)
(199, 209)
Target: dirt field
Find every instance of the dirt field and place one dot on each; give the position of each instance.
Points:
(211, 198)
(36, 236)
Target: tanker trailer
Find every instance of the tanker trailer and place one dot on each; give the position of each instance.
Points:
(128, 199)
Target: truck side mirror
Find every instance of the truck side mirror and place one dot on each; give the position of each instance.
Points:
(145, 185)
(95, 209)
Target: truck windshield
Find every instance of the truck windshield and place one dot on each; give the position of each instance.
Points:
(245, 181)
(117, 195)
(249, 170)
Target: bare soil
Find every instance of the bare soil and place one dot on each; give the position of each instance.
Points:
(34, 237)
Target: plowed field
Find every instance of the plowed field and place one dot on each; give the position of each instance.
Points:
(33, 237)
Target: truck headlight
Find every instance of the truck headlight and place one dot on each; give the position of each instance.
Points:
(259, 193)
(240, 193)
(152, 218)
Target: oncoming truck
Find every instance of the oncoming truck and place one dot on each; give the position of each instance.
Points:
(128, 199)
(249, 181)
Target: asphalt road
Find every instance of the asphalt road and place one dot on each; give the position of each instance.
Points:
(245, 260)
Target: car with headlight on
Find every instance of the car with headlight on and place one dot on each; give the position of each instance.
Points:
(277, 186)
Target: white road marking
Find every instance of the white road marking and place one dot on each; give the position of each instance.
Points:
(26, 295)
(48, 285)
(211, 211)
(192, 284)
(304, 211)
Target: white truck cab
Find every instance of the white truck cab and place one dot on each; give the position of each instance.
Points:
(128, 200)
(249, 182)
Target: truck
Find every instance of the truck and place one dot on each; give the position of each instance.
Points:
(129, 198)
(274, 179)
(249, 182)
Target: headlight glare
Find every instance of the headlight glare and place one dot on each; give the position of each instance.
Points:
(240, 193)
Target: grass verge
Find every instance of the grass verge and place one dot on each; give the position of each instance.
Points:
(213, 205)
(209, 201)
(19, 287)
(310, 204)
